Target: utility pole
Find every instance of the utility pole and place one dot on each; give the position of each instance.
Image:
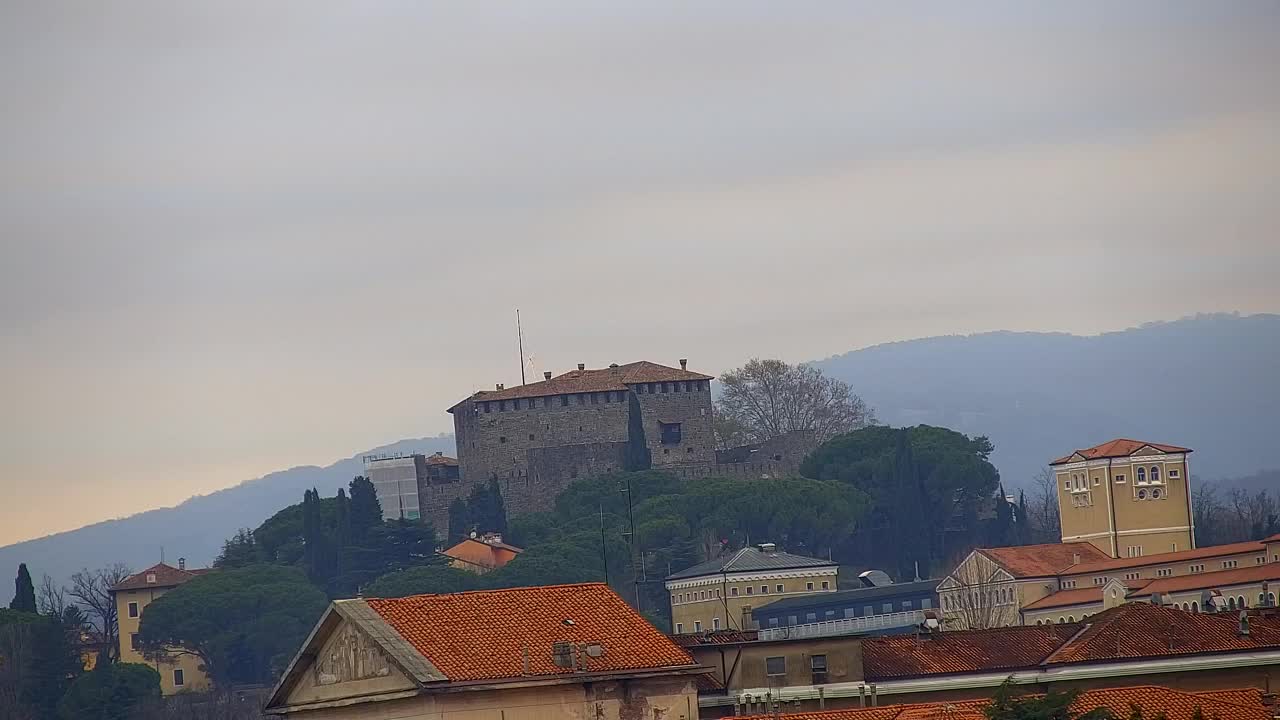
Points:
(520, 341)
(638, 574)
(604, 552)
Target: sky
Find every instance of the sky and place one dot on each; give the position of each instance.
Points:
(243, 236)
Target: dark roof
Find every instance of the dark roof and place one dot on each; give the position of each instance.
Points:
(715, 637)
(593, 380)
(851, 597)
(750, 559)
(166, 576)
(1120, 447)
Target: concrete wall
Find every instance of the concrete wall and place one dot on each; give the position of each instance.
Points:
(672, 698)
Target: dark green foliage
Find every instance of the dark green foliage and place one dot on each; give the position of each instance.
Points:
(342, 505)
(238, 551)
(639, 458)
(366, 511)
(954, 485)
(37, 663)
(459, 521)
(24, 596)
(485, 509)
(1007, 705)
(420, 580)
(244, 623)
(111, 692)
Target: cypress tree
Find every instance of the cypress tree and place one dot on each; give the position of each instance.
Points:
(912, 535)
(459, 521)
(497, 509)
(24, 596)
(344, 518)
(366, 511)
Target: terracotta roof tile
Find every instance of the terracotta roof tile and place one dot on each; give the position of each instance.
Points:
(1143, 630)
(593, 380)
(1163, 558)
(479, 553)
(1211, 580)
(1243, 704)
(166, 576)
(1120, 447)
(1043, 560)
(485, 635)
(963, 651)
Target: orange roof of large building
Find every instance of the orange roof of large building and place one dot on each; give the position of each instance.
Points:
(1165, 558)
(1238, 704)
(962, 651)
(500, 634)
(483, 553)
(1066, 598)
(1043, 560)
(1120, 447)
(590, 380)
(165, 576)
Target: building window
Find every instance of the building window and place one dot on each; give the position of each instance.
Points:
(564, 401)
(697, 626)
(826, 585)
(133, 609)
(808, 586)
(530, 436)
(906, 604)
(1228, 564)
(775, 666)
(676, 387)
(886, 608)
(925, 603)
(764, 589)
(679, 628)
(595, 398)
(715, 623)
(1142, 476)
(1068, 584)
(485, 406)
(793, 620)
(1120, 478)
(810, 617)
(1197, 568)
(178, 679)
(868, 611)
(818, 664)
(1099, 581)
(670, 433)
(502, 440)
(733, 591)
(1155, 474)
(750, 589)
(1173, 474)
(1260, 560)
(777, 588)
(1132, 576)
(133, 641)
(1164, 572)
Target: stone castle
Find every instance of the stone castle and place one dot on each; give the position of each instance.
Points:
(536, 439)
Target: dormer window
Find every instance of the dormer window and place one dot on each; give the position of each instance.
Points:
(151, 578)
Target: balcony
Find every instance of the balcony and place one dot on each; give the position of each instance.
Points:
(844, 626)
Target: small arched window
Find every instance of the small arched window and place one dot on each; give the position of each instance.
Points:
(1240, 602)
(1231, 603)
(1142, 475)
(1195, 606)
(1071, 618)
(1271, 599)
(1155, 474)
(1061, 619)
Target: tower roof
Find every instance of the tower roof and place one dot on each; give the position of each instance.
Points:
(1120, 447)
(617, 377)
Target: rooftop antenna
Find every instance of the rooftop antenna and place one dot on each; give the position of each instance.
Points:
(520, 340)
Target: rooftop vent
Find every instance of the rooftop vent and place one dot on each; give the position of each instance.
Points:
(546, 375)
(582, 366)
(613, 366)
(684, 363)
(182, 563)
(498, 386)
(768, 547)
(151, 578)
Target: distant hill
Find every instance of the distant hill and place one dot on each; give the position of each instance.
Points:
(196, 528)
(1208, 382)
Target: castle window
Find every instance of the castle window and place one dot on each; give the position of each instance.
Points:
(486, 406)
(564, 401)
(595, 398)
(608, 397)
(530, 436)
(582, 399)
(670, 433)
(502, 439)
(676, 386)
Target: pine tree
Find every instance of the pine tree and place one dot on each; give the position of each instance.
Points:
(24, 596)
(1024, 521)
(366, 511)
(1001, 534)
(912, 535)
(343, 506)
(459, 521)
(311, 531)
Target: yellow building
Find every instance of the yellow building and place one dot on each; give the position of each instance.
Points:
(537, 653)
(1128, 498)
(179, 671)
(720, 594)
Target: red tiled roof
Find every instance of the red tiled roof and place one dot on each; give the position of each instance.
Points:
(485, 635)
(593, 380)
(1064, 598)
(167, 576)
(1120, 447)
(1211, 580)
(480, 553)
(441, 460)
(1169, 557)
(962, 651)
(1243, 704)
(715, 637)
(1143, 630)
(1043, 560)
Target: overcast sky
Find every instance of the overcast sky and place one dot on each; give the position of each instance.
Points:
(239, 237)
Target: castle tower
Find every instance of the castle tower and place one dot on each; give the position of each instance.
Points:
(1128, 498)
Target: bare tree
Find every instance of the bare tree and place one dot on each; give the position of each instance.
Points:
(1043, 508)
(978, 595)
(92, 590)
(51, 598)
(770, 398)
(1208, 514)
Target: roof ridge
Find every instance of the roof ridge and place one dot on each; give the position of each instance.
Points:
(487, 591)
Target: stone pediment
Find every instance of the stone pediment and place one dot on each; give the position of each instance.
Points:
(349, 663)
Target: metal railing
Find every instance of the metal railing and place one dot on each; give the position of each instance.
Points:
(844, 626)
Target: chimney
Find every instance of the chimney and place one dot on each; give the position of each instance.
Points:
(497, 386)
(582, 366)
(546, 375)
(1244, 623)
(684, 363)
(439, 453)
(1075, 558)
(613, 366)
(182, 563)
